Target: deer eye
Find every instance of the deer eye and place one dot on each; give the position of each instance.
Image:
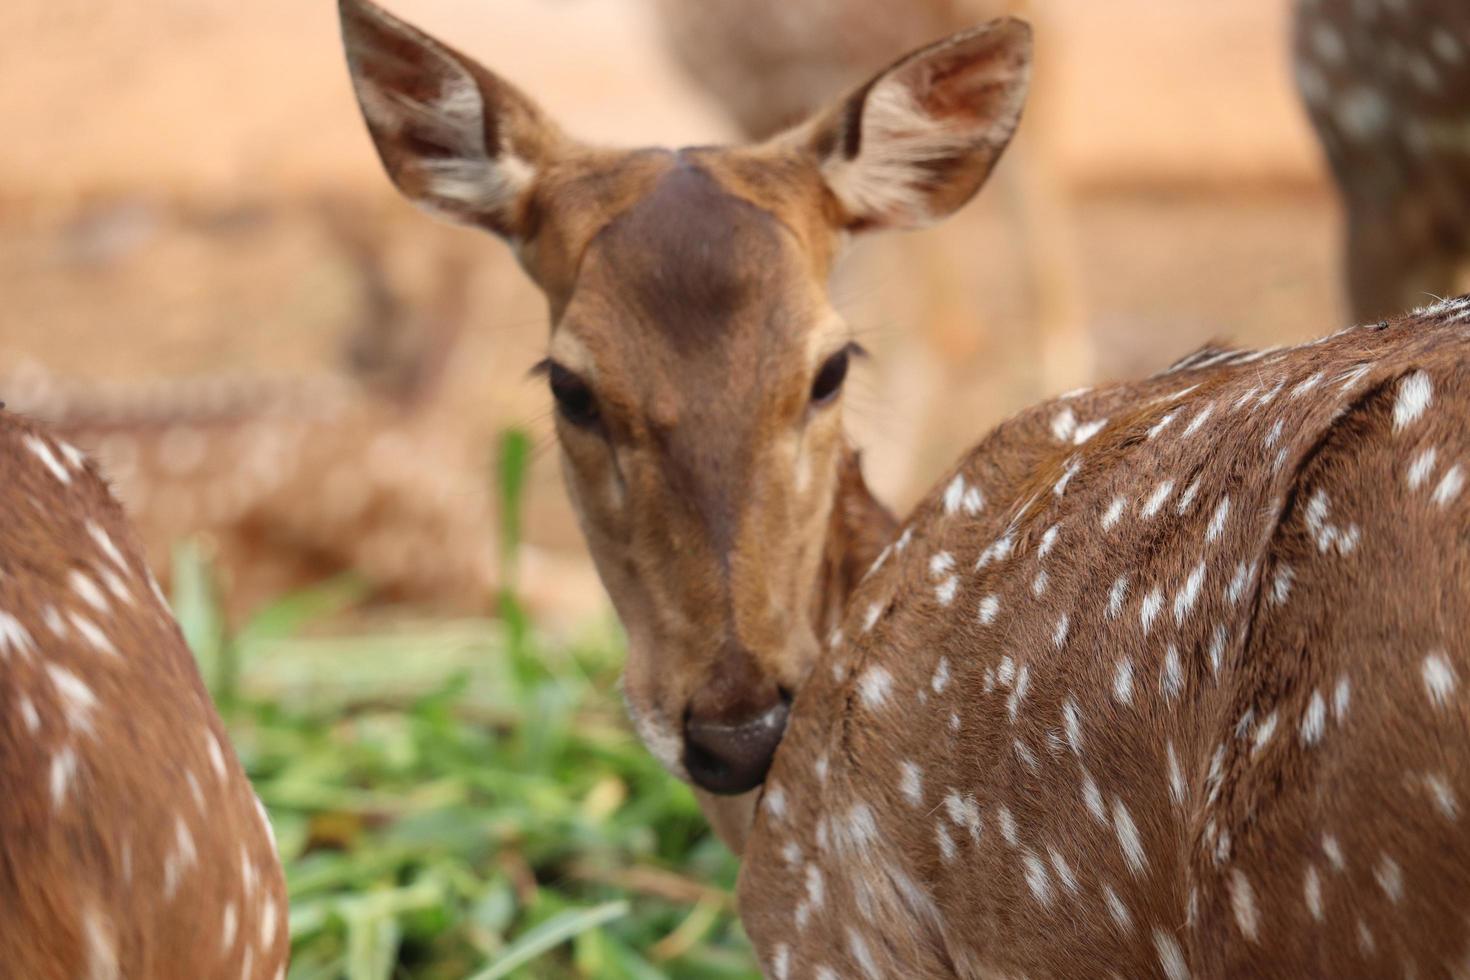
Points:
(573, 398)
(829, 379)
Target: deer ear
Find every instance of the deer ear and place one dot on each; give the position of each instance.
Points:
(454, 138)
(916, 142)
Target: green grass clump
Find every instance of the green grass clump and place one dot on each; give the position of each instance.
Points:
(464, 798)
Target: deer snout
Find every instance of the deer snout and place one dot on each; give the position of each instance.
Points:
(732, 756)
(733, 723)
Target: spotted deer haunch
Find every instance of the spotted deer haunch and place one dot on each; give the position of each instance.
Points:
(695, 358)
(1184, 698)
(130, 840)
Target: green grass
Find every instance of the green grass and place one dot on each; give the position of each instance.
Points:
(464, 798)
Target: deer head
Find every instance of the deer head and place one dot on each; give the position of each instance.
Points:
(695, 358)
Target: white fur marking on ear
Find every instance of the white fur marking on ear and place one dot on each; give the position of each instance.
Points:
(471, 179)
(898, 139)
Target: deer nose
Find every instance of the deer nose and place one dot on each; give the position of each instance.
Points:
(732, 756)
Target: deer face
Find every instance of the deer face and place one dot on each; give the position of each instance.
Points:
(695, 360)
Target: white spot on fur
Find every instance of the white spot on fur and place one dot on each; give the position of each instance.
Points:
(964, 812)
(1171, 675)
(1123, 682)
(1176, 777)
(1313, 889)
(1156, 499)
(1189, 593)
(14, 637)
(944, 591)
(1059, 633)
(1217, 520)
(1116, 595)
(28, 714)
(1087, 430)
(89, 591)
(781, 962)
(871, 617)
(1073, 466)
(92, 634)
(1117, 911)
(953, 494)
(63, 771)
(1023, 683)
(1333, 850)
(1092, 799)
(1197, 421)
(43, 452)
(1414, 395)
(941, 676)
(1264, 731)
(911, 782)
(1422, 467)
(774, 801)
(1450, 486)
(216, 754)
(77, 699)
(1443, 795)
(1072, 722)
(1281, 584)
(1160, 425)
(101, 952)
(1171, 957)
(1114, 511)
(1063, 870)
(180, 859)
(229, 928)
(1341, 698)
(1007, 825)
(1128, 839)
(1036, 878)
(1439, 679)
(1148, 610)
(1063, 425)
(940, 562)
(1243, 903)
(1314, 719)
(1390, 878)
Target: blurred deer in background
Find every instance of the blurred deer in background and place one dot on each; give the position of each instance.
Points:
(293, 480)
(1163, 680)
(1387, 87)
(131, 843)
(771, 63)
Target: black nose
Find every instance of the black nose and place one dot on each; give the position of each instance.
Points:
(733, 756)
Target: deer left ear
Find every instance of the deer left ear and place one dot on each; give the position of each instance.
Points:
(915, 143)
(455, 139)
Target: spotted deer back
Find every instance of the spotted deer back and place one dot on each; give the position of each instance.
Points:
(1164, 679)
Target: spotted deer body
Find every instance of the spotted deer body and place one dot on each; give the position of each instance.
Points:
(1168, 679)
(131, 843)
(1385, 85)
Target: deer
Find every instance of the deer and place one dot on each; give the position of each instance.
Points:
(131, 841)
(1384, 88)
(1164, 678)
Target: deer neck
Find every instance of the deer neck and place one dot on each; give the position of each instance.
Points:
(858, 530)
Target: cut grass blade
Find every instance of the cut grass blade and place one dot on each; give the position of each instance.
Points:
(550, 934)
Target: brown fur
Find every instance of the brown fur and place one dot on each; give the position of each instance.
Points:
(130, 839)
(1357, 572)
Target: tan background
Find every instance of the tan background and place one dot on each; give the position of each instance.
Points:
(168, 170)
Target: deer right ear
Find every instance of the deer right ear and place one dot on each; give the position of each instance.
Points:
(455, 139)
(916, 142)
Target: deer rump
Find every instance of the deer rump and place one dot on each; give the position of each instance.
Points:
(131, 842)
(1166, 680)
